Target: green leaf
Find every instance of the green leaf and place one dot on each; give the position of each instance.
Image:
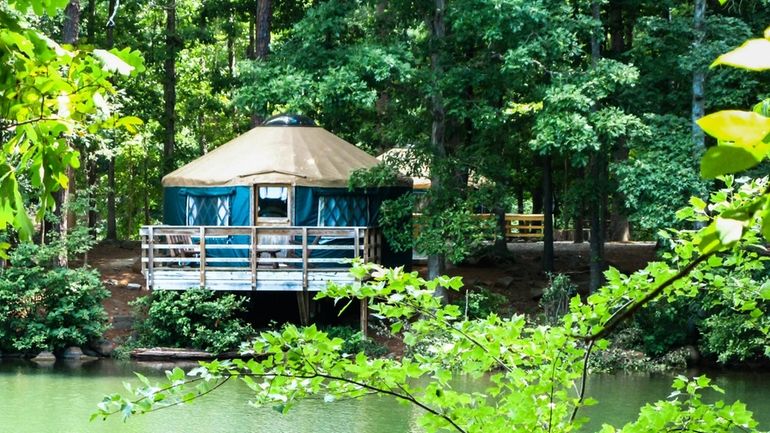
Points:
(113, 63)
(725, 159)
(742, 127)
(729, 230)
(753, 55)
(709, 239)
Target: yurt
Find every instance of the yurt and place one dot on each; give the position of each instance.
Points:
(286, 172)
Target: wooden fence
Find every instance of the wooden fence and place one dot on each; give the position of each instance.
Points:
(517, 226)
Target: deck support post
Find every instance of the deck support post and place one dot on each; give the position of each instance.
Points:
(303, 299)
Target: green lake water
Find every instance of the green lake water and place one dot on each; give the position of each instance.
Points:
(60, 398)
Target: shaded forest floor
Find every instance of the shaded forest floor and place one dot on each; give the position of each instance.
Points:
(521, 281)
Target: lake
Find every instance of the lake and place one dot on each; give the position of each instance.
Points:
(59, 399)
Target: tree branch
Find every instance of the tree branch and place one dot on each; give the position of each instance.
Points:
(625, 311)
(583, 379)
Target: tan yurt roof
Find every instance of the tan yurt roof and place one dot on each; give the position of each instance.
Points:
(296, 155)
(401, 158)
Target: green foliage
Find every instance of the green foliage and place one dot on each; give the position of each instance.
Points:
(480, 302)
(47, 307)
(196, 318)
(645, 178)
(555, 299)
(685, 410)
(396, 220)
(49, 94)
(729, 337)
(665, 326)
(353, 341)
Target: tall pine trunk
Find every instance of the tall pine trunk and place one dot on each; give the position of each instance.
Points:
(112, 232)
(698, 77)
(547, 215)
(263, 19)
(70, 31)
(597, 176)
(436, 262)
(169, 89)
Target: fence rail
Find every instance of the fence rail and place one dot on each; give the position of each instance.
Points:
(517, 226)
(253, 257)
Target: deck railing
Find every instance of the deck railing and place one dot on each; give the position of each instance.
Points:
(253, 257)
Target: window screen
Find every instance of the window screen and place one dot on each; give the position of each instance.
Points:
(273, 202)
(208, 211)
(342, 211)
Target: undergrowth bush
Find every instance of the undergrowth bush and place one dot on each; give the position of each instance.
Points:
(480, 302)
(555, 299)
(353, 341)
(47, 307)
(665, 326)
(195, 318)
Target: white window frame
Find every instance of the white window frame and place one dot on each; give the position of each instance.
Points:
(189, 204)
(273, 220)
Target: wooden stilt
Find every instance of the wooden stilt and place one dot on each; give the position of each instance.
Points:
(303, 302)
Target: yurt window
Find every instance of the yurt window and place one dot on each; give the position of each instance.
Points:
(273, 203)
(343, 211)
(208, 211)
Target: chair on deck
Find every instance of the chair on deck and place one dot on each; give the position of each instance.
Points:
(184, 250)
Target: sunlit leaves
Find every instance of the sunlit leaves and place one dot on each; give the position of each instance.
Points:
(726, 159)
(753, 55)
(49, 94)
(740, 127)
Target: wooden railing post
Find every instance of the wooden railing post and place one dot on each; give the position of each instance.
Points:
(150, 257)
(356, 243)
(254, 255)
(304, 259)
(202, 245)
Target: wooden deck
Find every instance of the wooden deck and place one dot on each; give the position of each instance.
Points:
(255, 258)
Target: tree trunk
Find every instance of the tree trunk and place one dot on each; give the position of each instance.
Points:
(597, 224)
(537, 199)
(112, 232)
(596, 172)
(619, 227)
(251, 49)
(698, 77)
(264, 18)
(436, 263)
(70, 32)
(71, 22)
(501, 241)
(231, 49)
(91, 24)
(547, 215)
(615, 27)
(91, 178)
(203, 147)
(169, 88)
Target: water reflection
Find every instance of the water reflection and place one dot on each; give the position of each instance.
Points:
(60, 397)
